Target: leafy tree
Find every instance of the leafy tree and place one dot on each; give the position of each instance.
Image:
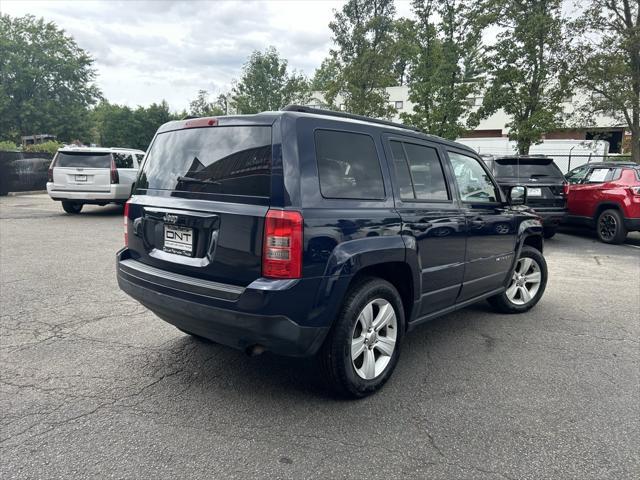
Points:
(201, 107)
(120, 126)
(267, 85)
(325, 75)
(8, 146)
(406, 49)
(364, 54)
(607, 63)
(50, 147)
(527, 70)
(46, 80)
(446, 66)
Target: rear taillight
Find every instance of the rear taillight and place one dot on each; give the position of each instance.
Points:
(50, 171)
(565, 189)
(126, 224)
(115, 178)
(282, 250)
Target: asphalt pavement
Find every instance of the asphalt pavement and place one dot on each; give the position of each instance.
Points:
(92, 385)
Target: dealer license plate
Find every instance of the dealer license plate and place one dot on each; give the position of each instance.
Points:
(178, 240)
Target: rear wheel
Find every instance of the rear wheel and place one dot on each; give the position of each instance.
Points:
(549, 232)
(72, 207)
(527, 285)
(610, 227)
(363, 347)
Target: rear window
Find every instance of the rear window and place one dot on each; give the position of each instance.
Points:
(348, 166)
(224, 160)
(527, 168)
(83, 160)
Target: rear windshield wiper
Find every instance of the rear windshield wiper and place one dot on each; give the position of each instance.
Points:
(198, 180)
(533, 175)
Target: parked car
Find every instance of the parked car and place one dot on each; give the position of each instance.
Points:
(98, 176)
(605, 196)
(546, 185)
(309, 232)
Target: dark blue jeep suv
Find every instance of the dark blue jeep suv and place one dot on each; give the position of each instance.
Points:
(306, 232)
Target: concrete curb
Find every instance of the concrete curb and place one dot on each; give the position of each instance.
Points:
(30, 192)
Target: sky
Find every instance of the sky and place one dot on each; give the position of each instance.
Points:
(146, 51)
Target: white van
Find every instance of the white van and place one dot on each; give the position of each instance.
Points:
(98, 176)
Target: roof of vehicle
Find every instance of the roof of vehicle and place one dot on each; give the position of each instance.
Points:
(613, 163)
(297, 111)
(71, 148)
(517, 157)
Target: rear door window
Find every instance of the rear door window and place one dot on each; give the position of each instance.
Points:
(123, 160)
(83, 160)
(600, 175)
(419, 172)
(348, 166)
(225, 160)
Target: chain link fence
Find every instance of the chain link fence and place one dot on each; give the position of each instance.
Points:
(23, 171)
(568, 162)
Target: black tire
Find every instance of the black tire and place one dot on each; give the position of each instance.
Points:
(72, 207)
(335, 354)
(549, 232)
(503, 304)
(610, 227)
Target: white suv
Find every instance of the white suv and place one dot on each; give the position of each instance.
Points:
(98, 176)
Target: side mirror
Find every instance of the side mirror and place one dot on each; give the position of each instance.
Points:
(517, 195)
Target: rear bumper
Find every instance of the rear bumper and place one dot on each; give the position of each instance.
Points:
(551, 217)
(270, 313)
(116, 193)
(632, 224)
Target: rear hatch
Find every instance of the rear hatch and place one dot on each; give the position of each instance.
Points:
(201, 200)
(541, 176)
(82, 171)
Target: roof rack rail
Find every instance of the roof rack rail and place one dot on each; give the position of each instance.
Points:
(332, 113)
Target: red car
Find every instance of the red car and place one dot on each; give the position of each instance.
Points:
(605, 196)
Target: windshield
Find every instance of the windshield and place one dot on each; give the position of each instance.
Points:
(225, 160)
(527, 168)
(83, 160)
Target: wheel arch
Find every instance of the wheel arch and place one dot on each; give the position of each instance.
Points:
(607, 205)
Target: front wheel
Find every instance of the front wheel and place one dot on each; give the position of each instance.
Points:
(72, 207)
(527, 284)
(363, 346)
(610, 227)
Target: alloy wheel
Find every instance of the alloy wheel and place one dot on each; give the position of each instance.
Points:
(525, 282)
(374, 338)
(607, 226)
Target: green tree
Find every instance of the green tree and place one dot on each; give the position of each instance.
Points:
(445, 71)
(202, 107)
(607, 63)
(46, 80)
(527, 71)
(364, 53)
(325, 75)
(121, 126)
(267, 85)
(406, 48)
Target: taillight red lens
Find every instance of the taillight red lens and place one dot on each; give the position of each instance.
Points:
(50, 175)
(201, 122)
(126, 224)
(115, 178)
(282, 249)
(565, 189)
